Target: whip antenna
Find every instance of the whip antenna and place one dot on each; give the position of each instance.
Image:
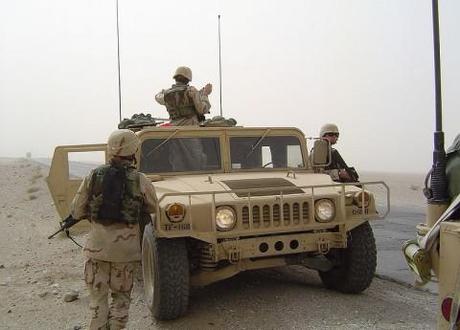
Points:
(118, 60)
(438, 172)
(220, 65)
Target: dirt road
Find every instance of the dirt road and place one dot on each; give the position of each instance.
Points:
(36, 274)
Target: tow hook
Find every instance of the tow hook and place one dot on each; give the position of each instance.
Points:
(323, 246)
(233, 255)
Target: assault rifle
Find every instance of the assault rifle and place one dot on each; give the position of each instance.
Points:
(66, 224)
(352, 173)
(341, 164)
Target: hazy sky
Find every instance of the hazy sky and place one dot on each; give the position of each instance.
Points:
(366, 65)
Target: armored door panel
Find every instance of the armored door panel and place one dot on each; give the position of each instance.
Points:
(68, 167)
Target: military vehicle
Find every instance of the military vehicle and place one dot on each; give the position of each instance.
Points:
(433, 255)
(232, 199)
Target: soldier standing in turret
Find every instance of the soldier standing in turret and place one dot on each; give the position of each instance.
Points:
(112, 197)
(185, 104)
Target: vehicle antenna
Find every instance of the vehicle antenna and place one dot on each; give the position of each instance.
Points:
(118, 60)
(438, 171)
(220, 65)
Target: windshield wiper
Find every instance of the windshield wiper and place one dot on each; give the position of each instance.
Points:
(259, 141)
(162, 143)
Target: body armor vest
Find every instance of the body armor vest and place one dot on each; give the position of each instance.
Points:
(115, 195)
(178, 103)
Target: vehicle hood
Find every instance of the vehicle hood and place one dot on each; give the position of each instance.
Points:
(227, 181)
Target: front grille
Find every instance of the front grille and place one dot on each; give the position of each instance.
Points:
(296, 213)
(276, 213)
(266, 216)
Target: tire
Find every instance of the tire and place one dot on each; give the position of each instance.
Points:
(165, 269)
(354, 266)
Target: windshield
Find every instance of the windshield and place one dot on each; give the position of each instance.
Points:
(180, 155)
(265, 152)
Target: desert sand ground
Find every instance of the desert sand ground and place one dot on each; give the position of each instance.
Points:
(36, 274)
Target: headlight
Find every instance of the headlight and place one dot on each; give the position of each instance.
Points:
(175, 212)
(225, 218)
(362, 198)
(324, 210)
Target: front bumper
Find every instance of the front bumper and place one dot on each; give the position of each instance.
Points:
(234, 250)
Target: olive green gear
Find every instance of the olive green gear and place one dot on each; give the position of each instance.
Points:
(128, 201)
(328, 128)
(178, 102)
(138, 120)
(183, 71)
(219, 121)
(122, 142)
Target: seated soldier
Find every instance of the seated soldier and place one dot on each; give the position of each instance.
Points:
(337, 169)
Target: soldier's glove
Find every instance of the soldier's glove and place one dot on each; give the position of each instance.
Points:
(68, 222)
(343, 174)
(207, 89)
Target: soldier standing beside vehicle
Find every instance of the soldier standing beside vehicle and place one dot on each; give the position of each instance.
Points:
(185, 104)
(337, 169)
(453, 168)
(112, 197)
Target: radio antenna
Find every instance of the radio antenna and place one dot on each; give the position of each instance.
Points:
(438, 175)
(118, 60)
(220, 65)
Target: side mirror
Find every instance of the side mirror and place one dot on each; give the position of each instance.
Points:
(321, 153)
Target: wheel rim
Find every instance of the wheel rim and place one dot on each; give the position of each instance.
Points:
(148, 272)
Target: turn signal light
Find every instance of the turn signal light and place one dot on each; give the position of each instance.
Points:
(175, 212)
(362, 198)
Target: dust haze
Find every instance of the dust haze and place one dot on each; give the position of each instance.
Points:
(365, 65)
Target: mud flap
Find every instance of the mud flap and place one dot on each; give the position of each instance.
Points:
(61, 184)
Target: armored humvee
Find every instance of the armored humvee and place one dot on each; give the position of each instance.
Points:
(232, 199)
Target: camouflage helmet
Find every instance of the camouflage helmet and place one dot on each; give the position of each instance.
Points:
(183, 71)
(122, 142)
(328, 128)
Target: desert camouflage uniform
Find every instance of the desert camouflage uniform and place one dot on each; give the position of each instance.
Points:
(112, 253)
(185, 105)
